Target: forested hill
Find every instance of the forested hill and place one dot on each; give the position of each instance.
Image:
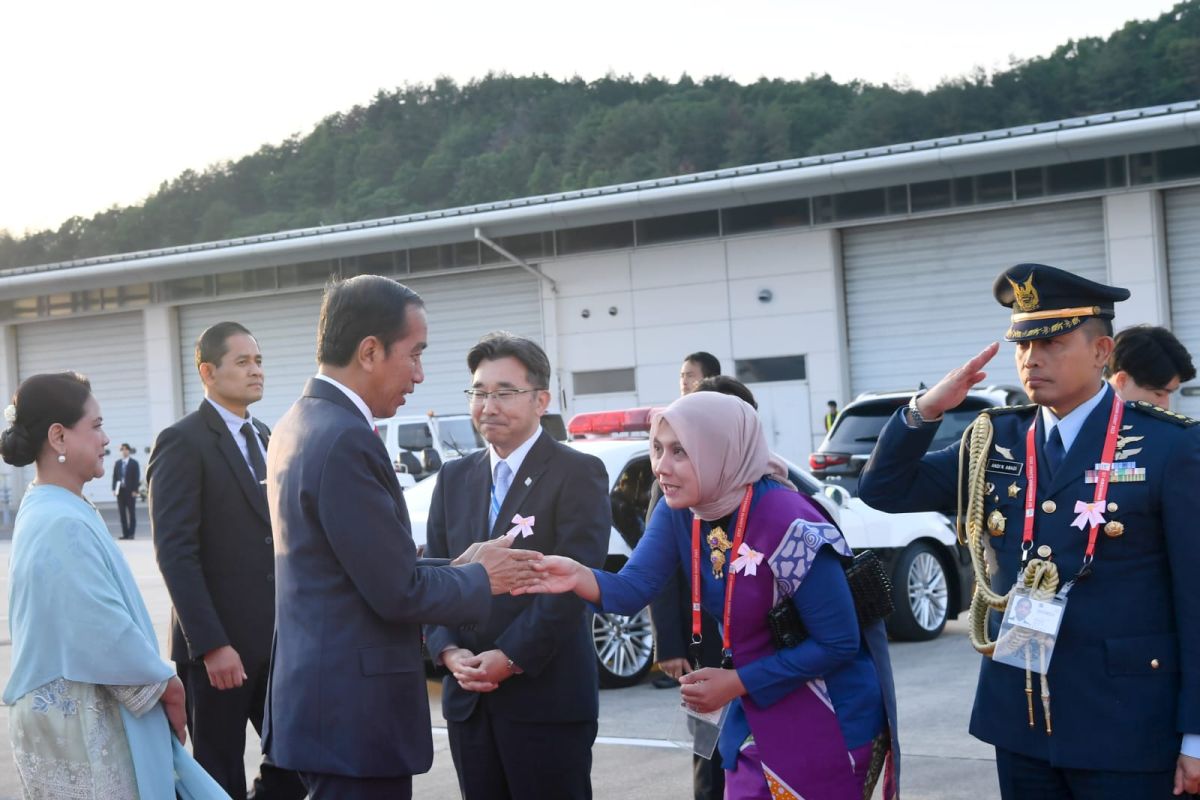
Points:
(427, 147)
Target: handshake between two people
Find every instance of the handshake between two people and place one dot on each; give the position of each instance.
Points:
(522, 572)
(510, 571)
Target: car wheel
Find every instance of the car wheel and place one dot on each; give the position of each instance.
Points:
(624, 647)
(921, 594)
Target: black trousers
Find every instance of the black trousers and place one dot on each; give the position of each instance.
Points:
(217, 724)
(1025, 778)
(127, 509)
(708, 777)
(322, 786)
(502, 759)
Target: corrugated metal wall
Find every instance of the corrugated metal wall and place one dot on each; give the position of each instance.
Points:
(919, 293)
(1182, 207)
(461, 308)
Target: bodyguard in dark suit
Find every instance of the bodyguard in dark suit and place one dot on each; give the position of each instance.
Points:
(347, 705)
(521, 697)
(126, 483)
(1120, 716)
(212, 538)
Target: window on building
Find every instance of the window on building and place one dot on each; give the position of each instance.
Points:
(1165, 165)
(766, 370)
(1080, 176)
(858, 205)
(187, 288)
(376, 264)
(677, 227)
(994, 187)
(931, 195)
(528, 247)
(1030, 183)
(765, 216)
(604, 381)
(594, 237)
(307, 274)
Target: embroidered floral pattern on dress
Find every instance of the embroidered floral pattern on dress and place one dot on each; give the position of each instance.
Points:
(54, 695)
(69, 743)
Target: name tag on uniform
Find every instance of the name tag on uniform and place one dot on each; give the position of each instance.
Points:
(1005, 467)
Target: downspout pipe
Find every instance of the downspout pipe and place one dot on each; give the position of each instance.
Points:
(532, 270)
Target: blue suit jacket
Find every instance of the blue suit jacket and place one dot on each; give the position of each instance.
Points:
(547, 636)
(347, 692)
(1125, 674)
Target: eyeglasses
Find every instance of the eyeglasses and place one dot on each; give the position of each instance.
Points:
(478, 397)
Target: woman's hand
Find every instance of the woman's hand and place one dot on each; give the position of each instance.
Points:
(560, 575)
(710, 688)
(174, 700)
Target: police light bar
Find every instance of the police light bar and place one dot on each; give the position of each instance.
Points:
(609, 423)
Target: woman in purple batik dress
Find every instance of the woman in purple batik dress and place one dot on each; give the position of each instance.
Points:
(813, 721)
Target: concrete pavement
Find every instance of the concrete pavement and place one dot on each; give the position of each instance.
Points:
(632, 757)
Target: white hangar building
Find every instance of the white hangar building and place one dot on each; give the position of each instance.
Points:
(811, 279)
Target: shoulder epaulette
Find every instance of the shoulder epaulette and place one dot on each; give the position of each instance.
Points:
(1162, 413)
(994, 411)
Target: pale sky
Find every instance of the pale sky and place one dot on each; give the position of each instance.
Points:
(103, 101)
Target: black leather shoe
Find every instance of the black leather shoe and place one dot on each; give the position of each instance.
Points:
(665, 682)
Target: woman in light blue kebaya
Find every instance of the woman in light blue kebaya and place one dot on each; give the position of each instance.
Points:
(93, 705)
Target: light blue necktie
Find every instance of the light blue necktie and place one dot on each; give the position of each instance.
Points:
(500, 485)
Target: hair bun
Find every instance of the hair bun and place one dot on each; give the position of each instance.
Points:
(16, 447)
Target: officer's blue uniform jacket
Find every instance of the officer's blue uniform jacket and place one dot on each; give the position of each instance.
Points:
(1125, 673)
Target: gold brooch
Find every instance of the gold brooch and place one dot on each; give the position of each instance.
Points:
(717, 557)
(718, 542)
(1114, 529)
(996, 522)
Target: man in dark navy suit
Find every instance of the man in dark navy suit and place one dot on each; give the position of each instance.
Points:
(212, 539)
(1123, 704)
(347, 705)
(521, 694)
(126, 483)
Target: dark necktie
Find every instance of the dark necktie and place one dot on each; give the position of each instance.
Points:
(254, 453)
(1054, 450)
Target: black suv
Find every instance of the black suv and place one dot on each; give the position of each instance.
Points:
(844, 451)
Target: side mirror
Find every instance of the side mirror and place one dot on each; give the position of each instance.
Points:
(433, 462)
(837, 494)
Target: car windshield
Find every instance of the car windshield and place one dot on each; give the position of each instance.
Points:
(459, 435)
(858, 427)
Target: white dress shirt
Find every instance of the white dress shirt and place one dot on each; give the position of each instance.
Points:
(354, 398)
(235, 423)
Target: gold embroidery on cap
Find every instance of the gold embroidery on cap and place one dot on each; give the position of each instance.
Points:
(1026, 296)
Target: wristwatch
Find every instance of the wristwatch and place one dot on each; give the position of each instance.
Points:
(914, 414)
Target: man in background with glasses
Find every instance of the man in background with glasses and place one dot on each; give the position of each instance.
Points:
(520, 697)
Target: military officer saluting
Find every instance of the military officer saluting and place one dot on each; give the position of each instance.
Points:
(1088, 506)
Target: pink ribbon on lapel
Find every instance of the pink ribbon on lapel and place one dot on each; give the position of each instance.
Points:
(747, 561)
(521, 525)
(1089, 514)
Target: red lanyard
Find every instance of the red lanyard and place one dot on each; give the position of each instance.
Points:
(738, 535)
(1103, 471)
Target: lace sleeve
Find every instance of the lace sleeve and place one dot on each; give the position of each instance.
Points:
(138, 699)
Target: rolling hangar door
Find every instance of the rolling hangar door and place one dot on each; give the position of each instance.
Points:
(919, 294)
(461, 308)
(109, 349)
(1182, 207)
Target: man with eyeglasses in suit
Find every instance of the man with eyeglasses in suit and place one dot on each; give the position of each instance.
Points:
(521, 699)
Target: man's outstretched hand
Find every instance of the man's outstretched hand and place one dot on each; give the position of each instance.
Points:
(952, 389)
(508, 569)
